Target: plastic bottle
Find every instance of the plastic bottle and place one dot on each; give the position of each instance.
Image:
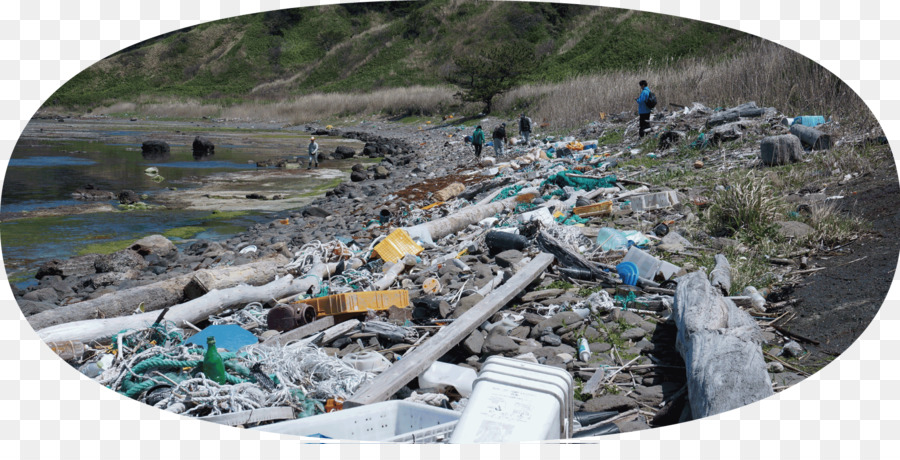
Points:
(756, 299)
(584, 350)
(213, 366)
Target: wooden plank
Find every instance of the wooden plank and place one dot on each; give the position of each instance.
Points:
(414, 363)
(301, 332)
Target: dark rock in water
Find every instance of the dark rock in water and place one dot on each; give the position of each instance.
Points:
(343, 152)
(90, 193)
(370, 149)
(315, 211)
(381, 172)
(358, 176)
(128, 197)
(157, 245)
(203, 146)
(154, 147)
(358, 167)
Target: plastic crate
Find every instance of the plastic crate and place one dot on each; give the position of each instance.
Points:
(395, 246)
(595, 209)
(358, 302)
(388, 421)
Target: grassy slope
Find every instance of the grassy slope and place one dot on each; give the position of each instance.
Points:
(378, 45)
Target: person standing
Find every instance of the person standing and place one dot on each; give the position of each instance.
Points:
(478, 140)
(313, 153)
(525, 128)
(499, 138)
(643, 110)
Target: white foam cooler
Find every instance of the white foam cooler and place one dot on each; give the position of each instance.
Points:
(514, 400)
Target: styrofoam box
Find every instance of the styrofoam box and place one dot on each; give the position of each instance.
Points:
(388, 421)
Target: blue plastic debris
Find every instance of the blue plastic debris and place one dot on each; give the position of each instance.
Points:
(809, 120)
(228, 336)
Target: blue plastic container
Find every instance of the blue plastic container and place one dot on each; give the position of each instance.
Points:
(629, 273)
(809, 120)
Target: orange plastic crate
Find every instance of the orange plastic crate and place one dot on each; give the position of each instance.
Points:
(395, 246)
(358, 302)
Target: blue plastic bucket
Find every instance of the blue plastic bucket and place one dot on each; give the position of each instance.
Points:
(629, 273)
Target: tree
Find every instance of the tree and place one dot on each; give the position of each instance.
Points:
(482, 75)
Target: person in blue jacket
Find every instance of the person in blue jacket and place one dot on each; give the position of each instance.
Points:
(643, 110)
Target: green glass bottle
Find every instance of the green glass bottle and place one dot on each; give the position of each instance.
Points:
(213, 366)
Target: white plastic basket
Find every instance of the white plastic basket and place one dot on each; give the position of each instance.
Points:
(388, 421)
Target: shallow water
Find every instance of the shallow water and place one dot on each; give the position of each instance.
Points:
(43, 172)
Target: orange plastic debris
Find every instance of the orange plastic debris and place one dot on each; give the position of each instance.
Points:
(425, 208)
(358, 302)
(333, 404)
(595, 209)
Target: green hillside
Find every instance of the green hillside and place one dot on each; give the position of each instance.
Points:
(366, 46)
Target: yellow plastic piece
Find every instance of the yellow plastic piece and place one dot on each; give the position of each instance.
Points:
(593, 209)
(358, 302)
(425, 208)
(575, 146)
(395, 246)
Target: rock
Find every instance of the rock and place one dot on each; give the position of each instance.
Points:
(474, 342)
(520, 332)
(89, 193)
(154, 147)
(128, 197)
(535, 296)
(629, 317)
(599, 347)
(315, 211)
(794, 229)
(634, 333)
(780, 150)
(76, 266)
(358, 167)
(632, 425)
(616, 403)
(46, 295)
(557, 320)
(498, 343)
(157, 245)
(792, 349)
(465, 304)
(342, 152)
(358, 176)
(509, 258)
(30, 307)
(786, 379)
(381, 172)
(552, 340)
(775, 367)
(203, 146)
(120, 262)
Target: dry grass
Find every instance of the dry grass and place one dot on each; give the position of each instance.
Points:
(303, 109)
(765, 72)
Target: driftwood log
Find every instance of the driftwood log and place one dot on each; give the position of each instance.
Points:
(720, 276)
(720, 344)
(442, 227)
(158, 295)
(195, 310)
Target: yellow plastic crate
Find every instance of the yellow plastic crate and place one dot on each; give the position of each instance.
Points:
(596, 209)
(395, 246)
(358, 302)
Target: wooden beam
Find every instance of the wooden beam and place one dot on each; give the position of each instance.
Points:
(414, 363)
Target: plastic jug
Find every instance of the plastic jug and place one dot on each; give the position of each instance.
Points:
(443, 374)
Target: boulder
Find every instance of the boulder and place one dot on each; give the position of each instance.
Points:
(120, 262)
(154, 147)
(780, 150)
(45, 295)
(342, 152)
(128, 197)
(358, 167)
(203, 146)
(474, 342)
(157, 245)
(498, 343)
(76, 266)
(358, 176)
(30, 307)
(381, 172)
